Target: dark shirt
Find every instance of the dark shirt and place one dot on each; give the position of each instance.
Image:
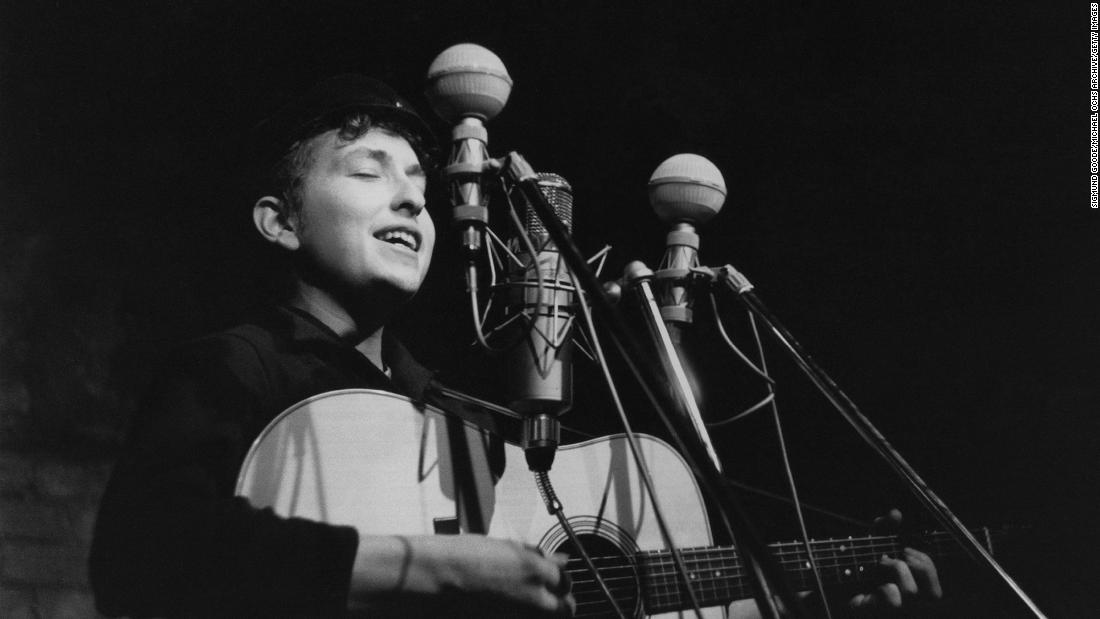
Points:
(171, 538)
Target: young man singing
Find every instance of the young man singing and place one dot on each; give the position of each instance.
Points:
(345, 198)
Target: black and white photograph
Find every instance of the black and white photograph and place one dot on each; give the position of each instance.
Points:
(546, 309)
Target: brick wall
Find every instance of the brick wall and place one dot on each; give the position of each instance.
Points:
(61, 417)
(47, 511)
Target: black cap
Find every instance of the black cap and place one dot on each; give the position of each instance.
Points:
(331, 98)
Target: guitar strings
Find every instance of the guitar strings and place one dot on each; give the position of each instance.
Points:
(850, 554)
(781, 549)
(713, 574)
(724, 572)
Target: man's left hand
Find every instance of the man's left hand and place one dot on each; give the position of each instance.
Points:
(910, 581)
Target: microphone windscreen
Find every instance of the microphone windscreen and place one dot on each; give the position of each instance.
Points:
(687, 188)
(467, 80)
(559, 194)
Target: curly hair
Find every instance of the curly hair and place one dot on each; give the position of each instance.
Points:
(285, 177)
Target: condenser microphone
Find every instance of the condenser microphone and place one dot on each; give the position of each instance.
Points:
(467, 86)
(540, 366)
(685, 191)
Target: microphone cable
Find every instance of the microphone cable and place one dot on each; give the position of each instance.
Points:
(748, 363)
(761, 369)
(556, 509)
(635, 450)
(790, 472)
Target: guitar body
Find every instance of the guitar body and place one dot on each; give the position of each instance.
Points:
(373, 460)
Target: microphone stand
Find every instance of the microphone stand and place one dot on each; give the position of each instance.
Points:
(766, 576)
(739, 284)
(638, 276)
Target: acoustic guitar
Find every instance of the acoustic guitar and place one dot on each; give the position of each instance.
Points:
(376, 461)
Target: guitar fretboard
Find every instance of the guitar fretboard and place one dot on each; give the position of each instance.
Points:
(718, 576)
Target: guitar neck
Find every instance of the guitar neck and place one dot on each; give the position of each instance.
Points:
(718, 575)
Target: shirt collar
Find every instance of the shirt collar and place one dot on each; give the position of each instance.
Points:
(406, 374)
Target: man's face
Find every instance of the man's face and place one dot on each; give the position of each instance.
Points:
(362, 224)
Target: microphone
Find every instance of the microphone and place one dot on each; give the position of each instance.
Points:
(685, 190)
(540, 366)
(468, 85)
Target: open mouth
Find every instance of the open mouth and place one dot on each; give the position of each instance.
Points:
(404, 238)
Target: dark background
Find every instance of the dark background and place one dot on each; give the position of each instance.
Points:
(907, 189)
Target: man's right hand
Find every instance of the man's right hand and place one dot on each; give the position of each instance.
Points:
(472, 573)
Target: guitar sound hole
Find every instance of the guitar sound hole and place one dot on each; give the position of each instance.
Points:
(618, 571)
